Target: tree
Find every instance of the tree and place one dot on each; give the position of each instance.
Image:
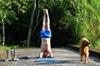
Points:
(5, 14)
(31, 23)
(88, 20)
(10, 10)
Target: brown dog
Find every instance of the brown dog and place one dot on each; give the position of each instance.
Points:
(84, 50)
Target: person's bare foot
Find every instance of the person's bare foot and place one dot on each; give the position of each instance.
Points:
(45, 10)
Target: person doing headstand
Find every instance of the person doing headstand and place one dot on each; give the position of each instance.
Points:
(45, 35)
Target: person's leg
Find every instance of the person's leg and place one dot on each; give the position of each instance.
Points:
(43, 24)
(47, 21)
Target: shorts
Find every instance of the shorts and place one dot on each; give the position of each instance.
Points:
(45, 34)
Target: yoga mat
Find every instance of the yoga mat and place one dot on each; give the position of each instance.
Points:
(45, 60)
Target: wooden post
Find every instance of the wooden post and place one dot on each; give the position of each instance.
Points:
(8, 54)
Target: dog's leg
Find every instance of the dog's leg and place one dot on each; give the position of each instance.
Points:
(82, 58)
(86, 55)
(85, 61)
(86, 58)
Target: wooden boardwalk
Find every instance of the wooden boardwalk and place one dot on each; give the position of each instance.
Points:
(62, 57)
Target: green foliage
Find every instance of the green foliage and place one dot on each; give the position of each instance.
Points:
(9, 9)
(70, 20)
(5, 48)
(10, 13)
(5, 12)
(89, 20)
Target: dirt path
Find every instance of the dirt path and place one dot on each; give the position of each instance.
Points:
(62, 57)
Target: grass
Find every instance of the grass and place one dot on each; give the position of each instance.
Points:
(5, 48)
(15, 46)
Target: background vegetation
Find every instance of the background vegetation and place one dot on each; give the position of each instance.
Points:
(70, 21)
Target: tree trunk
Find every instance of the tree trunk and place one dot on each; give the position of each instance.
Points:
(36, 22)
(3, 32)
(31, 23)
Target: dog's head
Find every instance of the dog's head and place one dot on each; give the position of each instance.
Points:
(85, 41)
